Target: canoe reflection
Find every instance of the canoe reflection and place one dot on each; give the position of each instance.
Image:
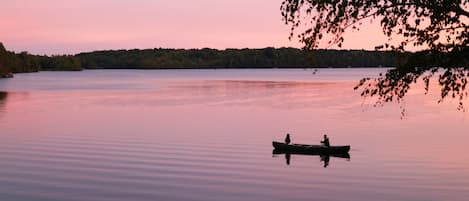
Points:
(324, 157)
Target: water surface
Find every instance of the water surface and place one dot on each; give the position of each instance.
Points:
(206, 135)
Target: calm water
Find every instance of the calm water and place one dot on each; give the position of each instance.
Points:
(206, 135)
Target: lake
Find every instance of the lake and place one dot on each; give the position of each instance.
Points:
(115, 135)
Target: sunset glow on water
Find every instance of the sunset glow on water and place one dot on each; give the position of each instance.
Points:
(206, 135)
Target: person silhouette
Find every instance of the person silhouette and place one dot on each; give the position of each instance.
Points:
(325, 142)
(287, 139)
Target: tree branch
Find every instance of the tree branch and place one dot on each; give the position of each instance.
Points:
(461, 11)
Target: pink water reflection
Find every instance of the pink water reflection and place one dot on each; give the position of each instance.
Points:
(216, 133)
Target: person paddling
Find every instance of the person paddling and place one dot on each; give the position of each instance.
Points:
(287, 139)
(325, 142)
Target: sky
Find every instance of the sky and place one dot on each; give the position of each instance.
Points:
(73, 26)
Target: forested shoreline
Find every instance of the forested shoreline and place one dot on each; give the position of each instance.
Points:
(235, 58)
(23, 62)
(11, 62)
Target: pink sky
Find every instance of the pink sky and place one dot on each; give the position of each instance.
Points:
(73, 26)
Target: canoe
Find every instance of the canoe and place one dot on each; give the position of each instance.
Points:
(305, 148)
(345, 155)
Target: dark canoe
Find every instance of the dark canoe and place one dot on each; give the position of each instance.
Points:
(305, 148)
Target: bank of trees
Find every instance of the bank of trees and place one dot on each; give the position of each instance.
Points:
(60, 63)
(23, 62)
(198, 58)
(3, 70)
(235, 58)
(11, 62)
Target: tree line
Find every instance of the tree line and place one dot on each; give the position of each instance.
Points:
(23, 62)
(197, 58)
(235, 58)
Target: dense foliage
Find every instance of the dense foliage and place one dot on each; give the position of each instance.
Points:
(197, 58)
(11, 62)
(3, 68)
(235, 58)
(60, 63)
(440, 26)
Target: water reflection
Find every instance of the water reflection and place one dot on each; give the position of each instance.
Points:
(173, 139)
(281, 94)
(245, 93)
(10, 100)
(3, 100)
(325, 158)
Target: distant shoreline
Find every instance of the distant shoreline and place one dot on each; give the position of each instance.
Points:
(173, 59)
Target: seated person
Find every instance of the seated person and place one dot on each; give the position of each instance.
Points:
(287, 139)
(325, 142)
